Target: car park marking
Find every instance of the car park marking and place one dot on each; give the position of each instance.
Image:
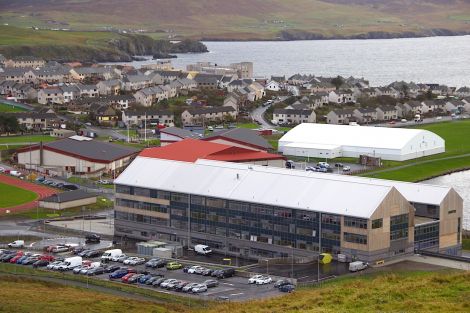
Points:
(236, 294)
(227, 284)
(303, 277)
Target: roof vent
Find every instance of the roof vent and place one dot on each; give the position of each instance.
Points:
(238, 176)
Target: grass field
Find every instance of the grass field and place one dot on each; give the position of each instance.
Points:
(11, 196)
(400, 292)
(6, 108)
(466, 244)
(456, 135)
(26, 139)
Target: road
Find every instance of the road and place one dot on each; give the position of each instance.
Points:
(428, 120)
(257, 114)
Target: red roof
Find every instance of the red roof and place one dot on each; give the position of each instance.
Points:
(190, 150)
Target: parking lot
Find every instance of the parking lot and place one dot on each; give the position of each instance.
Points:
(234, 288)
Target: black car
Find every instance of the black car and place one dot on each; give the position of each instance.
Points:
(40, 263)
(207, 272)
(70, 187)
(282, 282)
(95, 271)
(287, 288)
(180, 285)
(78, 250)
(83, 252)
(134, 278)
(228, 272)
(151, 280)
(8, 257)
(186, 268)
(93, 238)
(111, 268)
(92, 254)
(210, 283)
(216, 273)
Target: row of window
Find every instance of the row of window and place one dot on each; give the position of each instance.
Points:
(355, 222)
(141, 205)
(138, 218)
(355, 238)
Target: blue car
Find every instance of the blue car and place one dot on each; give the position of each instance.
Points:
(143, 279)
(20, 260)
(118, 274)
(287, 288)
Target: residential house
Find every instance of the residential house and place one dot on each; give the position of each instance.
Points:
(194, 116)
(104, 114)
(48, 75)
(340, 116)
(317, 85)
(169, 76)
(37, 121)
(88, 91)
(463, 92)
(208, 81)
(150, 95)
(240, 137)
(109, 87)
(119, 102)
(387, 91)
(98, 73)
(227, 79)
(14, 74)
(299, 79)
(24, 92)
(454, 106)
(341, 96)
(257, 91)
(53, 95)
(409, 108)
(273, 86)
(136, 82)
(279, 79)
(293, 116)
(433, 106)
(70, 93)
(150, 116)
(369, 92)
(365, 115)
(24, 62)
(183, 84)
(238, 84)
(319, 99)
(387, 113)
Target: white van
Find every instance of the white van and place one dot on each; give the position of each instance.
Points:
(70, 263)
(108, 255)
(357, 266)
(16, 244)
(202, 249)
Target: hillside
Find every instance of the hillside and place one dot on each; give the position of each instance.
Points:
(400, 292)
(247, 19)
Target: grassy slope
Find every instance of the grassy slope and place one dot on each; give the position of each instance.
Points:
(32, 138)
(242, 19)
(456, 136)
(9, 108)
(11, 196)
(401, 292)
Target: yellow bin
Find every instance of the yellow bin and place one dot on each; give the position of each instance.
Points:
(325, 258)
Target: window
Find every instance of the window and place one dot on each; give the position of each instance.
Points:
(399, 234)
(355, 222)
(331, 219)
(452, 212)
(355, 238)
(215, 203)
(378, 223)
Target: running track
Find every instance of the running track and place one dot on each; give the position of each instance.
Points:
(40, 190)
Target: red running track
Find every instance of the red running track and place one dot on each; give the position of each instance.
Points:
(40, 190)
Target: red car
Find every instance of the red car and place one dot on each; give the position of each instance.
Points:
(46, 257)
(125, 279)
(15, 258)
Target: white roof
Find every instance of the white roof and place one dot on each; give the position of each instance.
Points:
(257, 184)
(353, 136)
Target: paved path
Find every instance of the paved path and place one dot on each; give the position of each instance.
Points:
(40, 190)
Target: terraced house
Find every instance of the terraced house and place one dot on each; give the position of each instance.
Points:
(263, 212)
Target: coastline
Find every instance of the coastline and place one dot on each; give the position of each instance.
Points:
(448, 172)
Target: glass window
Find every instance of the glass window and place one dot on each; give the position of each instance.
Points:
(355, 222)
(331, 219)
(355, 238)
(378, 223)
(215, 203)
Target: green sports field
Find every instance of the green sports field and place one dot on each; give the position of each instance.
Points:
(11, 196)
(6, 108)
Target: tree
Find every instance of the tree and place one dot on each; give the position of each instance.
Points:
(8, 124)
(337, 81)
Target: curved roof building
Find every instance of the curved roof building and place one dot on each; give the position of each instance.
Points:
(332, 141)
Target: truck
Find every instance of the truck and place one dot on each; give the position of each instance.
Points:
(16, 244)
(357, 266)
(202, 249)
(108, 255)
(70, 263)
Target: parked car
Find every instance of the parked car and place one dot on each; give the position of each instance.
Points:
(323, 164)
(155, 263)
(40, 263)
(225, 273)
(281, 282)
(78, 269)
(193, 269)
(207, 272)
(357, 266)
(165, 283)
(120, 273)
(264, 280)
(83, 253)
(51, 266)
(172, 285)
(339, 165)
(290, 164)
(151, 280)
(59, 249)
(173, 266)
(120, 258)
(210, 283)
(253, 279)
(158, 281)
(310, 169)
(202, 249)
(92, 254)
(95, 271)
(134, 261)
(112, 268)
(346, 169)
(108, 255)
(134, 278)
(189, 287)
(143, 279)
(179, 286)
(126, 277)
(287, 288)
(199, 288)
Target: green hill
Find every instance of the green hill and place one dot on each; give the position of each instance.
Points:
(247, 19)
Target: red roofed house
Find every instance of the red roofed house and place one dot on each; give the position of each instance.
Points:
(190, 150)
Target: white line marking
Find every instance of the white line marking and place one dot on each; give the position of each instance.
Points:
(236, 294)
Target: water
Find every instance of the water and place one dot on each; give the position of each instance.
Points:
(444, 60)
(460, 181)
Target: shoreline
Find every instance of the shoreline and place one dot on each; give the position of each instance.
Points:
(449, 172)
